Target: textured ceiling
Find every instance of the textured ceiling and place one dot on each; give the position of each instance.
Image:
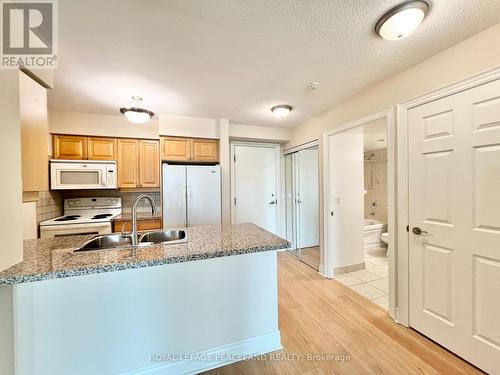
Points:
(235, 59)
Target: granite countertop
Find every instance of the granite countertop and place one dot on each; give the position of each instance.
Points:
(127, 216)
(53, 258)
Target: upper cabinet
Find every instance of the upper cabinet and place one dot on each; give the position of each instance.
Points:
(149, 163)
(76, 147)
(138, 163)
(69, 147)
(34, 134)
(190, 149)
(205, 150)
(176, 149)
(128, 163)
(102, 148)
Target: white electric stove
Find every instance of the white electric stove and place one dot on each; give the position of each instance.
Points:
(83, 216)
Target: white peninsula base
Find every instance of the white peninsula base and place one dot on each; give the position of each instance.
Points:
(142, 321)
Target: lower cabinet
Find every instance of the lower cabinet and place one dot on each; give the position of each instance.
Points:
(142, 225)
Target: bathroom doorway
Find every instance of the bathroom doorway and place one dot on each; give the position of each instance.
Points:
(302, 203)
(359, 201)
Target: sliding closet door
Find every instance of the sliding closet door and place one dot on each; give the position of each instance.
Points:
(302, 189)
(308, 198)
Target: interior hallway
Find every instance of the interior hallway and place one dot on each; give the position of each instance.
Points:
(322, 316)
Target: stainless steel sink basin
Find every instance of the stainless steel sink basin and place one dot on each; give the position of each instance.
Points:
(164, 237)
(105, 241)
(116, 240)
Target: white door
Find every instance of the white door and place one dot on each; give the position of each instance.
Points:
(346, 203)
(454, 203)
(203, 195)
(255, 186)
(308, 198)
(174, 196)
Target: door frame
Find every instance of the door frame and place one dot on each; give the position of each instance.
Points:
(403, 244)
(327, 269)
(279, 196)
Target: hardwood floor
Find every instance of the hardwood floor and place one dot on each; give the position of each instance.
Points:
(321, 316)
(310, 255)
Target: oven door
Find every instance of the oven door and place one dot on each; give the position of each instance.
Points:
(51, 231)
(66, 176)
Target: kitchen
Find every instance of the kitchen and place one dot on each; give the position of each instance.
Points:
(101, 203)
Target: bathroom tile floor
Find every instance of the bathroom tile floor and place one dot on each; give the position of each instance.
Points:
(372, 282)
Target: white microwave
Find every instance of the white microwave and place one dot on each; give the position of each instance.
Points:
(82, 174)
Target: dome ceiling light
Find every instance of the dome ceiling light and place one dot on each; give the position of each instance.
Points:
(402, 20)
(136, 114)
(281, 110)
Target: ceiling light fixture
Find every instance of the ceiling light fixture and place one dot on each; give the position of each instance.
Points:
(136, 114)
(402, 20)
(281, 110)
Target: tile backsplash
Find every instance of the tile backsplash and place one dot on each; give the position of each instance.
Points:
(49, 205)
(375, 171)
(126, 196)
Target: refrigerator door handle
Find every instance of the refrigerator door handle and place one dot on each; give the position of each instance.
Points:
(188, 199)
(184, 200)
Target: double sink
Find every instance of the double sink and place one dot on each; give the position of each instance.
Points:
(116, 240)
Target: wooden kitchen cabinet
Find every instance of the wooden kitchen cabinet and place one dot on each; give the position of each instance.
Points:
(34, 135)
(142, 225)
(72, 147)
(128, 163)
(190, 149)
(176, 149)
(102, 148)
(138, 163)
(206, 150)
(149, 163)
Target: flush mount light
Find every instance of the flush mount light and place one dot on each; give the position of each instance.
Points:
(281, 110)
(402, 20)
(136, 114)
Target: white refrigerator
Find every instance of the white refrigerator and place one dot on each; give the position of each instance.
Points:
(191, 195)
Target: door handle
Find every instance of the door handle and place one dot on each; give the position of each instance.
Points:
(273, 202)
(418, 231)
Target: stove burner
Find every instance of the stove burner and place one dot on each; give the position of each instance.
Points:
(101, 216)
(68, 218)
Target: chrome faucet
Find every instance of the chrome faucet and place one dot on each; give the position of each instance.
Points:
(133, 234)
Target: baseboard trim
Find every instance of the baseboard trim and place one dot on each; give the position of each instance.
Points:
(222, 356)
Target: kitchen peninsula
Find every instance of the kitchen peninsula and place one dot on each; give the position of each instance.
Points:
(212, 297)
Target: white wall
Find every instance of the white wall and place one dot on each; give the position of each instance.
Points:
(63, 122)
(346, 224)
(11, 222)
(225, 168)
(259, 133)
(183, 126)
